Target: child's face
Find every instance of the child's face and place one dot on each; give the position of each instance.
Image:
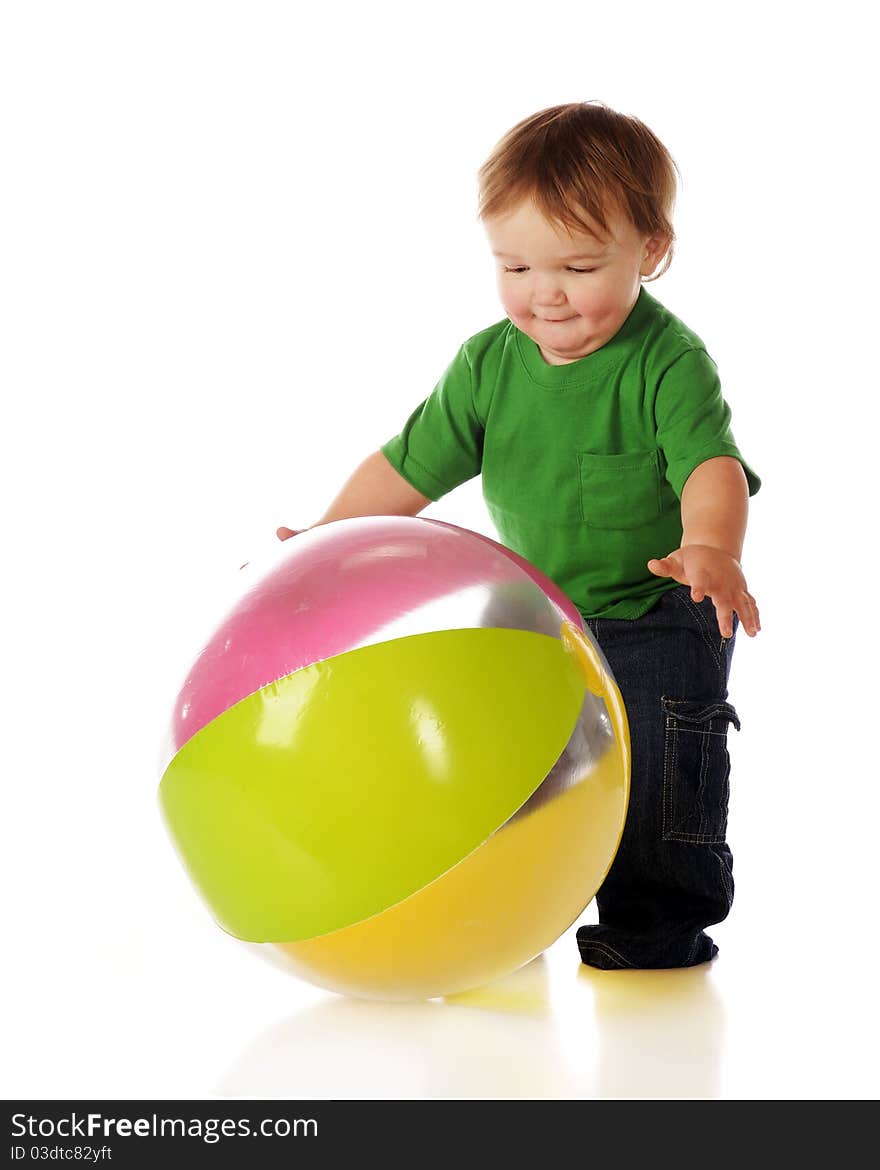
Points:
(569, 292)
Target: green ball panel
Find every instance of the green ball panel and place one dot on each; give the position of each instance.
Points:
(336, 792)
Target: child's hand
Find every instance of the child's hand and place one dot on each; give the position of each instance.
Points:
(716, 573)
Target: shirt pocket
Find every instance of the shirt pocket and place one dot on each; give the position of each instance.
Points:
(619, 491)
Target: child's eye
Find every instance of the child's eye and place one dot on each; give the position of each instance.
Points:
(523, 269)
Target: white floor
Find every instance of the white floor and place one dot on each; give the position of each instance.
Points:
(163, 1006)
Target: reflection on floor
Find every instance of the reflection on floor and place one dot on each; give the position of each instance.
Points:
(660, 1033)
(585, 1034)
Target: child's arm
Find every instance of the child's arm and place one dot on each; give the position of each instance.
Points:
(715, 506)
(714, 510)
(374, 489)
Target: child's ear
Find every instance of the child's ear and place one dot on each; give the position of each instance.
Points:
(654, 249)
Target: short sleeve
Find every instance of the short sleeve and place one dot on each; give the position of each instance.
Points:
(441, 444)
(693, 420)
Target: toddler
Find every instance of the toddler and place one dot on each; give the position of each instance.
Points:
(597, 422)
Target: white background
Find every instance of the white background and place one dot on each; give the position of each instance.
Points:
(239, 245)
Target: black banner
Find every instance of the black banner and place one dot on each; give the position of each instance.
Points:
(126, 1133)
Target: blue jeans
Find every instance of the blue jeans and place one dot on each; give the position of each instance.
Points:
(673, 872)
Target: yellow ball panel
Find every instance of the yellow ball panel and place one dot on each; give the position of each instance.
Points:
(498, 908)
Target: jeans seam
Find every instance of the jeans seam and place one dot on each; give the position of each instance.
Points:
(608, 950)
(669, 746)
(727, 880)
(705, 631)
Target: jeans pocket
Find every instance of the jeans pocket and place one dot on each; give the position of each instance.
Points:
(696, 770)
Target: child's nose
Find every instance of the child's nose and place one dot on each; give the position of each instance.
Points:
(548, 291)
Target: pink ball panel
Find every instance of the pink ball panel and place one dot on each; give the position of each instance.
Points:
(337, 586)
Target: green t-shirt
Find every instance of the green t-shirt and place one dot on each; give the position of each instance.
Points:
(583, 464)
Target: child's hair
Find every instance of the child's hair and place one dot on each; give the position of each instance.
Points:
(579, 157)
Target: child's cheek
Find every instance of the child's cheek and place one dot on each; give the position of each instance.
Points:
(516, 305)
(600, 308)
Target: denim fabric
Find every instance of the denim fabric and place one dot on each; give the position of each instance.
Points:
(673, 872)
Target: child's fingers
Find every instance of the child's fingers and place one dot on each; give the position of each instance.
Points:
(749, 615)
(725, 621)
(700, 586)
(661, 566)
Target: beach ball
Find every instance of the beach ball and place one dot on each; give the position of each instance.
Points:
(400, 765)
